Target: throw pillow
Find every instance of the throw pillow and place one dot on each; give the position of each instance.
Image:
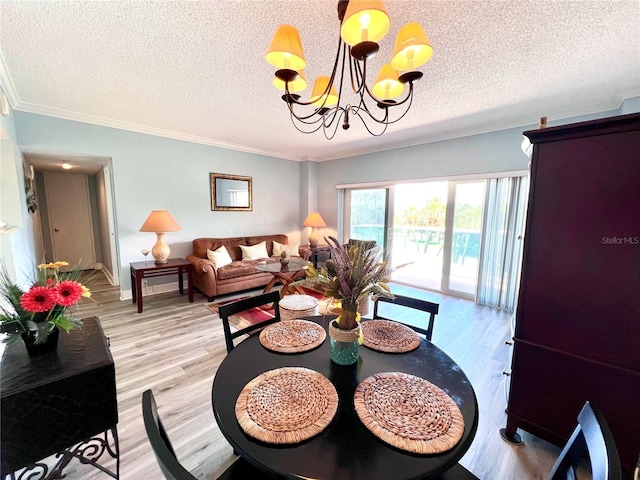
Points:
(254, 252)
(219, 257)
(278, 248)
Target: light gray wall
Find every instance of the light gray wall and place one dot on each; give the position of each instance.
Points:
(486, 153)
(17, 248)
(102, 228)
(157, 173)
(152, 172)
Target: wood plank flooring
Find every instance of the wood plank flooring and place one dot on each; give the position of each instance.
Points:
(174, 347)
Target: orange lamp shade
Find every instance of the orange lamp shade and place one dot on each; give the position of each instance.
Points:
(160, 221)
(285, 50)
(321, 98)
(387, 85)
(412, 48)
(299, 84)
(364, 20)
(314, 220)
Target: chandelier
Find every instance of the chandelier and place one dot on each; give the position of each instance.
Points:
(363, 24)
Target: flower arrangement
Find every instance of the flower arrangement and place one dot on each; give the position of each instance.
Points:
(44, 306)
(358, 274)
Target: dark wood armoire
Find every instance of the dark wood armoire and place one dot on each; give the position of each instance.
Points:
(577, 330)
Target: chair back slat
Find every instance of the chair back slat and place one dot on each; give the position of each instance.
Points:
(430, 308)
(591, 438)
(171, 468)
(242, 305)
(165, 455)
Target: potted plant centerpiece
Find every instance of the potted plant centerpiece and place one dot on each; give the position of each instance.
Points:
(359, 274)
(37, 313)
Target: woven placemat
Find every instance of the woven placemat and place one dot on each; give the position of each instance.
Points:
(292, 336)
(389, 336)
(409, 413)
(286, 405)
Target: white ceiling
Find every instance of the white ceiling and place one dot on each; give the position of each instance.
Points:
(195, 70)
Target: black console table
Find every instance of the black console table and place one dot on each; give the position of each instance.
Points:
(62, 402)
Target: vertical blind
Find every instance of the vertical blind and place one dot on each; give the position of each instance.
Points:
(505, 211)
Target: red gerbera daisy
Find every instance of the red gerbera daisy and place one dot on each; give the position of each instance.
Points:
(69, 292)
(38, 299)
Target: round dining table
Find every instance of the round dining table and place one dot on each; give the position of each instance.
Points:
(345, 449)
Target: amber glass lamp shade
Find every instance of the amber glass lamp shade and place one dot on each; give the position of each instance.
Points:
(319, 94)
(412, 48)
(285, 50)
(364, 21)
(160, 222)
(297, 85)
(387, 85)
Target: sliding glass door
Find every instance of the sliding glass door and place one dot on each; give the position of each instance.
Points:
(419, 233)
(430, 231)
(367, 214)
(461, 274)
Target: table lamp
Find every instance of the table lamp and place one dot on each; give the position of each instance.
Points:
(160, 222)
(314, 220)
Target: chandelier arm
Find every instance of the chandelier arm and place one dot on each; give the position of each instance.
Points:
(295, 124)
(354, 72)
(335, 114)
(356, 111)
(332, 79)
(317, 117)
(362, 106)
(326, 90)
(406, 110)
(335, 129)
(304, 118)
(394, 104)
(335, 65)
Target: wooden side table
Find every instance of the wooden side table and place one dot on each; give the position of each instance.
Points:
(174, 266)
(62, 402)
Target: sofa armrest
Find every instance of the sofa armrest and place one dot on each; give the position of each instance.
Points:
(305, 253)
(201, 265)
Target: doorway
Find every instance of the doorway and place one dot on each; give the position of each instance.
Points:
(97, 171)
(69, 219)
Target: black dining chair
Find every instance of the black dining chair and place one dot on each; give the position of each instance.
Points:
(591, 438)
(414, 303)
(166, 457)
(242, 305)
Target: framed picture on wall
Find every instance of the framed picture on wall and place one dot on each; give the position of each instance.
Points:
(231, 192)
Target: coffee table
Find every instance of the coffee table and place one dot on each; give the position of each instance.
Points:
(285, 275)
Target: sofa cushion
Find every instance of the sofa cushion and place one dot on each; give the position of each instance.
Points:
(278, 248)
(254, 252)
(237, 269)
(201, 245)
(219, 257)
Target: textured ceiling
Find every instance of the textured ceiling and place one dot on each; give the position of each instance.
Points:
(195, 70)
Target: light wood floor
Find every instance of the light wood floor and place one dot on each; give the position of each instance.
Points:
(174, 347)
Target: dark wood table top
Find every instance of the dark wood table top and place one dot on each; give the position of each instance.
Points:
(346, 449)
(151, 265)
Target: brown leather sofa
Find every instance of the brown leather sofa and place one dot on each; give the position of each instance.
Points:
(239, 274)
